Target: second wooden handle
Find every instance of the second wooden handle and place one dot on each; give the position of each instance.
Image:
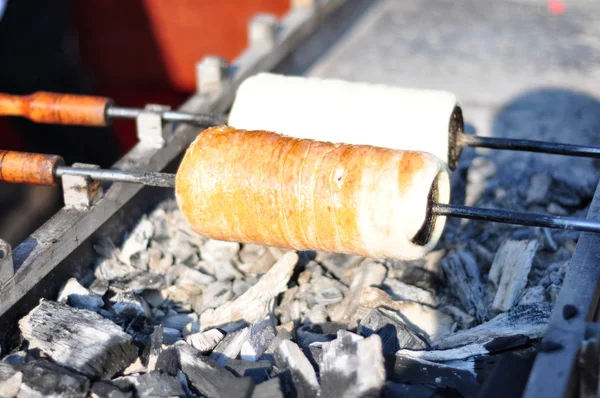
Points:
(52, 108)
(28, 168)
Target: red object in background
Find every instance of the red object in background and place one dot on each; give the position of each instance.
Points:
(145, 51)
(556, 7)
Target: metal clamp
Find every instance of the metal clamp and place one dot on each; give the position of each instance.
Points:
(212, 73)
(151, 128)
(81, 192)
(7, 269)
(262, 30)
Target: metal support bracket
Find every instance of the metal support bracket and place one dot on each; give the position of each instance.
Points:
(7, 268)
(212, 73)
(151, 129)
(262, 30)
(81, 192)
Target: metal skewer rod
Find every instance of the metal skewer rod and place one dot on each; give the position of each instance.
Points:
(491, 215)
(528, 146)
(202, 120)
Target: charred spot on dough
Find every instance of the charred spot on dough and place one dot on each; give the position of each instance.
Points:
(423, 236)
(456, 127)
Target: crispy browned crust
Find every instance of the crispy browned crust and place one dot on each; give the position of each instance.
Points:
(261, 187)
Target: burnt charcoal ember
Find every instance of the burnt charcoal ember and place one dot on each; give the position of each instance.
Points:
(330, 295)
(510, 270)
(16, 357)
(128, 306)
(208, 378)
(402, 291)
(302, 380)
(42, 378)
(170, 335)
(405, 337)
(508, 377)
(404, 369)
(461, 273)
(218, 250)
(252, 305)
(138, 240)
(505, 343)
(261, 336)
(463, 319)
(168, 361)
(257, 259)
(138, 282)
(452, 354)
(529, 320)
(216, 294)
(230, 346)
(179, 321)
(226, 271)
(318, 333)
(78, 339)
(351, 368)
(99, 287)
(268, 389)
(413, 275)
(537, 192)
(10, 380)
(532, 295)
(156, 385)
(257, 370)
(205, 342)
(340, 265)
(78, 296)
(109, 266)
(106, 389)
(428, 322)
(153, 348)
(367, 274)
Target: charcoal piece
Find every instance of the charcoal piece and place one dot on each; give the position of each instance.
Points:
(530, 320)
(415, 276)
(318, 314)
(218, 250)
(168, 361)
(226, 271)
(510, 270)
(394, 390)
(99, 287)
(403, 369)
(208, 378)
(188, 275)
(268, 389)
(10, 379)
(230, 346)
(380, 317)
(328, 296)
(65, 333)
(532, 295)
(252, 305)
(205, 342)
(78, 296)
(170, 335)
(261, 336)
(138, 282)
(550, 346)
(368, 273)
(135, 368)
(508, 377)
(128, 306)
(399, 290)
(426, 321)
(321, 332)
(153, 348)
(216, 294)
(137, 240)
(179, 321)
(258, 370)
(452, 354)
(351, 367)
(157, 385)
(125, 383)
(389, 339)
(107, 389)
(340, 265)
(258, 259)
(16, 357)
(537, 192)
(302, 380)
(464, 320)
(110, 267)
(461, 273)
(504, 343)
(42, 378)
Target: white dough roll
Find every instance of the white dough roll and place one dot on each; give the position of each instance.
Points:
(265, 188)
(350, 112)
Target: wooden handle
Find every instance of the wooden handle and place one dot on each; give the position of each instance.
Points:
(42, 107)
(28, 168)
